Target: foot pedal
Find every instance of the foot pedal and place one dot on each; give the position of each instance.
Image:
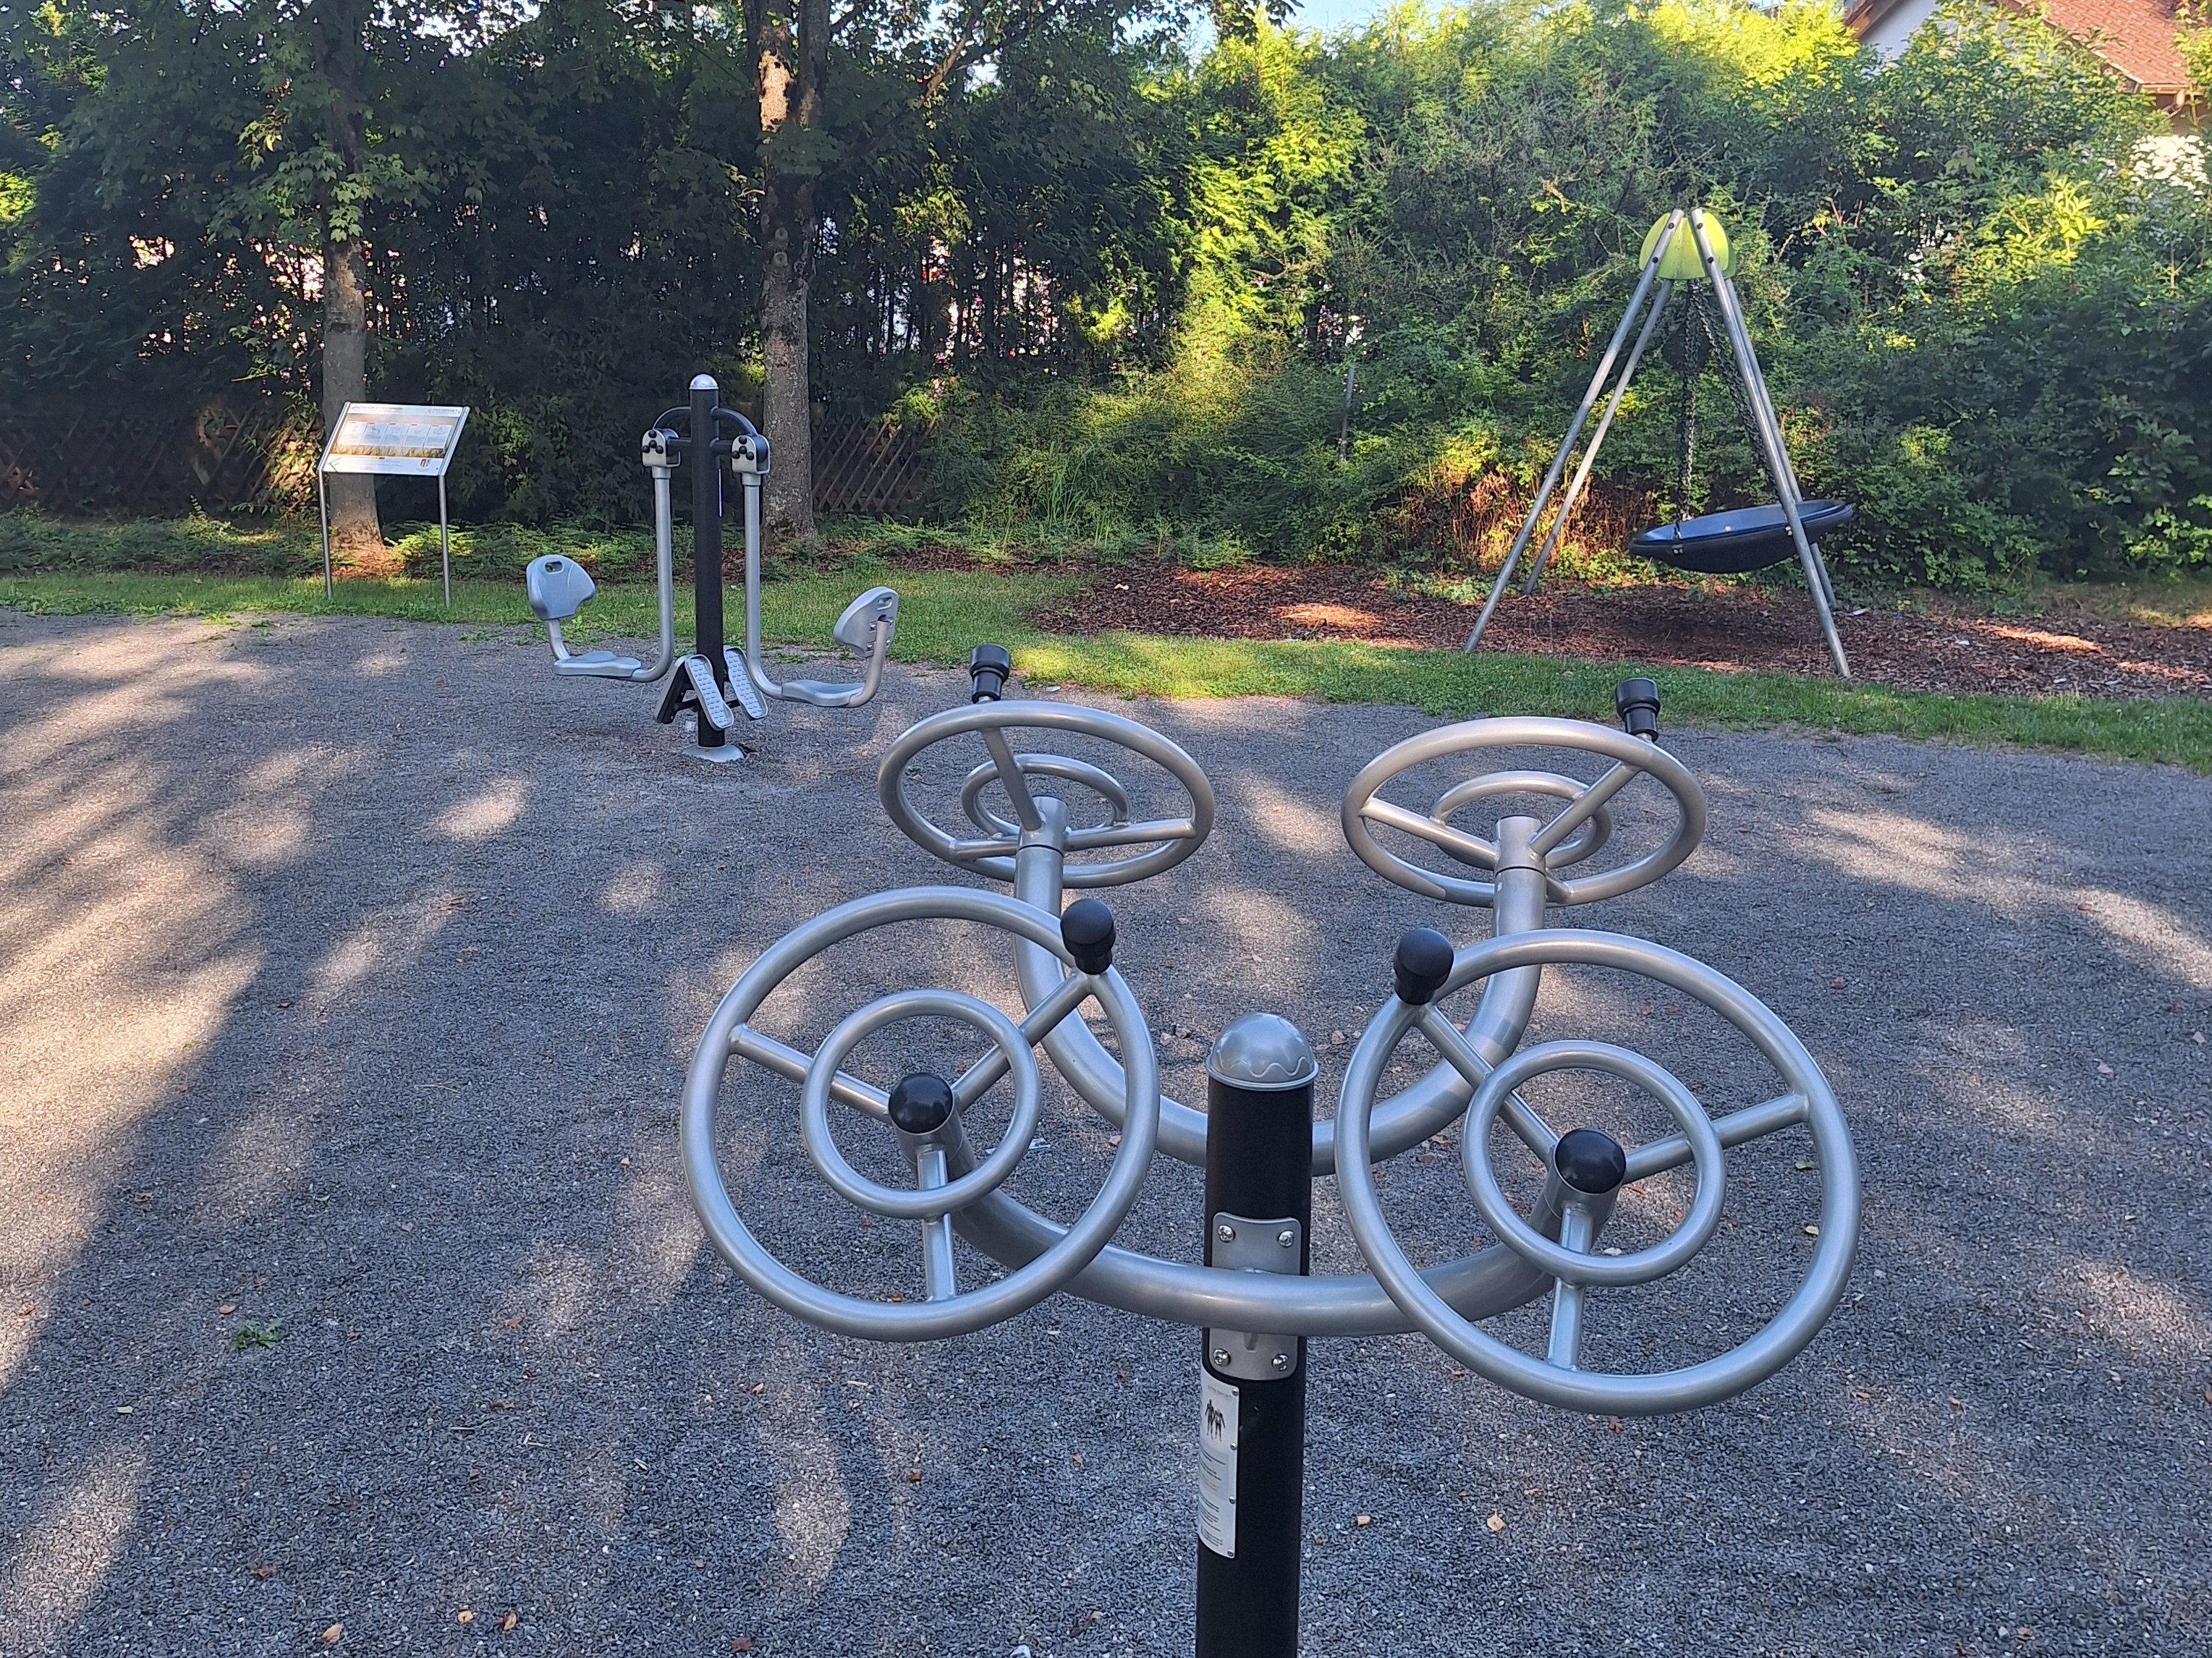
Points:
(598, 665)
(712, 708)
(741, 683)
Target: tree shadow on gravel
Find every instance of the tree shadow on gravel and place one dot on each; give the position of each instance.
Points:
(353, 973)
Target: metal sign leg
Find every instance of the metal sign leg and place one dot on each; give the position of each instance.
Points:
(322, 504)
(445, 542)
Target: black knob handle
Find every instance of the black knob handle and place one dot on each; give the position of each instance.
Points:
(989, 668)
(1087, 929)
(1637, 702)
(1591, 1160)
(921, 1103)
(1422, 964)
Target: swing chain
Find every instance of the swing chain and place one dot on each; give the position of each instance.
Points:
(1731, 370)
(1689, 359)
(1698, 343)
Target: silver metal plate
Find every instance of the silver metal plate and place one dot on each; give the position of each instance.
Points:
(1242, 1244)
(555, 586)
(728, 755)
(856, 627)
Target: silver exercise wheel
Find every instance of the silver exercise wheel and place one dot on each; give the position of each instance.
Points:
(923, 1111)
(1574, 834)
(1593, 1169)
(990, 850)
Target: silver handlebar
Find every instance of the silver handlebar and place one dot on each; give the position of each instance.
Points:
(869, 620)
(1557, 1379)
(1571, 837)
(949, 1311)
(1480, 1070)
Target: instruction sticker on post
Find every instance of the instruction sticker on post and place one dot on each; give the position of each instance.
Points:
(1217, 1467)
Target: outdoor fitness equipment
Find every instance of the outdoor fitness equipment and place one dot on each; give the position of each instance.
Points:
(715, 674)
(1683, 250)
(1254, 1297)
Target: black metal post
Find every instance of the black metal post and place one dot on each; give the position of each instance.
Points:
(1259, 1210)
(706, 544)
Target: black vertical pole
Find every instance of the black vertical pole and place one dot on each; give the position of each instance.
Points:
(1259, 1141)
(706, 544)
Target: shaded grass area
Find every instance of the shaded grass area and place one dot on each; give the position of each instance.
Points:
(30, 544)
(944, 612)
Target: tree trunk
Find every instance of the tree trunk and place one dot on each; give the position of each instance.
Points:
(335, 31)
(790, 55)
(355, 530)
(786, 396)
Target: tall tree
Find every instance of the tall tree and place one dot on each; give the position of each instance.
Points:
(339, 80)
(913, 53)
(329, 35)
(220, 162)
(789, 46)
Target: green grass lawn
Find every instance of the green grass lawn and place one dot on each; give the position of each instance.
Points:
(57, 569)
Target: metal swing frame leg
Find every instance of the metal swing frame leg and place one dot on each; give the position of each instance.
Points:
(1645, 283)
(1769, 433)
(1597, 438)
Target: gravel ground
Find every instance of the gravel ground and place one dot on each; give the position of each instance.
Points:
(351, 972)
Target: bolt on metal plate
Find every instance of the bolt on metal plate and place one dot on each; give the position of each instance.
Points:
(1242, 1244)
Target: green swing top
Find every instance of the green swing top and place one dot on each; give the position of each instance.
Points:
(1682, 263)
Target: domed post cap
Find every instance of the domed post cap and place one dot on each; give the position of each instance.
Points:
(1086, 927)
(989, 666)
(1422, 964)
(1591, 1160)
(705, 383)
(1637, 702)
(1263, 1051)
(920, 1104)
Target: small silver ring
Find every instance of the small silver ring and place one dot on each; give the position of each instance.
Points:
(1100, 782)
(906, 1203)
(1582, 844)
(1640, 1265)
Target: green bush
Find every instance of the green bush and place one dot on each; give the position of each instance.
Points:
(1985, 325)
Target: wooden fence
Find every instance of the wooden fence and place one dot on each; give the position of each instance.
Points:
(865, 470)
(148, 460)
(223, 455)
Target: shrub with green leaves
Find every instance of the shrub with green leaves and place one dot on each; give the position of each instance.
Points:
(1988, 324)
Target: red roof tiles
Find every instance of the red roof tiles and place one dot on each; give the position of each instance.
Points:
(2136, 37)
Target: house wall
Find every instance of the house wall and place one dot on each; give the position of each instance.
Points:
(1889, 33)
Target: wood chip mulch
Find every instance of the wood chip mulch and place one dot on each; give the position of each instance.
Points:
(1728, 628)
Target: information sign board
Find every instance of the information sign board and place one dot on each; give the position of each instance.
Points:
(407, 439)
(393, 439)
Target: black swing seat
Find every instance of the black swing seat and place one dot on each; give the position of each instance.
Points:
(1739, 541)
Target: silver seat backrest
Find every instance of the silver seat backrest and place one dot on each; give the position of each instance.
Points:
(557, 587)
(856, 628)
